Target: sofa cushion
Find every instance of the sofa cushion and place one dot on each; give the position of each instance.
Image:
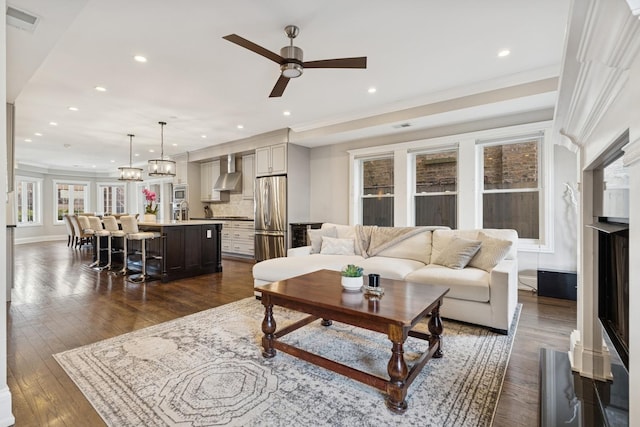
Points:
(470, 284)
(390, 268)
(275, 269)
(491, 252)
(331, 246)
(440, 239)
(315, 237)
(457, 253)
(344, 232)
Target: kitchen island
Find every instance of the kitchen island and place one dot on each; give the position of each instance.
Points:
(186, 248)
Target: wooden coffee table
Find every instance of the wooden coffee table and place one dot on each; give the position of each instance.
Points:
(402, 306)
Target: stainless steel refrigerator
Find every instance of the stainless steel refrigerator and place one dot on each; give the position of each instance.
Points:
(270, 217)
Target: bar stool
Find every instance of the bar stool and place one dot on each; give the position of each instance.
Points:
(111, 225)
(86, 232)
(71, 235)
(130, 228)
(98, 232)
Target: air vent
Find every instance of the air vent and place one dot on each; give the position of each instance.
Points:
(402, 125)
(22, 20)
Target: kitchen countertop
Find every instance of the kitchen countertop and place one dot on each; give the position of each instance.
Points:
(179, 223)
(225, 218)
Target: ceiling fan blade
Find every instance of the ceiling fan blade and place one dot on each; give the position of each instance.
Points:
(240, 41)
(279, 88)
(359, 62)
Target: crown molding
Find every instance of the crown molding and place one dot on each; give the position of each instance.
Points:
(603, 40)
(631, 153)
(634, 5)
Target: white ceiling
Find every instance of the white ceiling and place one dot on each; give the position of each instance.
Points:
(428, 60)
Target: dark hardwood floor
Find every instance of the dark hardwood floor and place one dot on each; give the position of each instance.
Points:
(59, 304)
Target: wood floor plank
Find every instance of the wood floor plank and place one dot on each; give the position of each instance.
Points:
(58, 303)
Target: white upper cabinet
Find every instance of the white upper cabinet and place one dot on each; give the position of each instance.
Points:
(271, 160)
(248, 176)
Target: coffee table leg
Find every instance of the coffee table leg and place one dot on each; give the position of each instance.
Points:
(268, 327)
(435, 328)
(398, 371)
(326, 322)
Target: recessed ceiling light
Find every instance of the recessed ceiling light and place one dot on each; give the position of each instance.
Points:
(37, 134)
(503, 53)
(151, 150)
(53, 123)
(27, 140)
(287, 113)
(73, 108)
(93, 166)
(137, 154)
(203, 136)
(100, 89)
(240, 127)
(140, 58)
(175, 145)
(112, 161)
(372, 90)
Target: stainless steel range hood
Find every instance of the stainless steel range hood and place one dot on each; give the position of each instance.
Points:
(228, 181)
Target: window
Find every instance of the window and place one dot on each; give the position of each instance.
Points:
(28, 201)
(511, 196)
(377, 191)
(435, 189)
(111, 198)
(70, 198)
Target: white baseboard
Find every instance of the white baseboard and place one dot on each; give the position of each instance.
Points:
(37, 239)
(6, 416)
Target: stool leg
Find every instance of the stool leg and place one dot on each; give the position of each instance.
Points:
(125, 257)
(108, 266)
(143, 243)
(96, 263)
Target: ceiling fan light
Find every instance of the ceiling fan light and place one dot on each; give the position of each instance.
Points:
(291, 70)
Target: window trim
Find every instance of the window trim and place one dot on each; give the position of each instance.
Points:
(356, 182)
(545, 243)
(413, 154)
(99, 185)
(468, 187)
(37, 202)
(55, 184)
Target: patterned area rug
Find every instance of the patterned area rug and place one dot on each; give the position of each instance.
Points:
(207, 369)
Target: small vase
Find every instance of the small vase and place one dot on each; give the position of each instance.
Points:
(352, 283)
(149, 218)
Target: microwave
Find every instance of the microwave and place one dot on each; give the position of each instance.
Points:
(179, 193)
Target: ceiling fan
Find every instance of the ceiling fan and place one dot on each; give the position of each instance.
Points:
(290, 59)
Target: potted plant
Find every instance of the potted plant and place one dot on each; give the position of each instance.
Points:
(352, 277)
(150, 207)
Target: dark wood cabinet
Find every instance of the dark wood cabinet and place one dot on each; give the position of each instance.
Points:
(299, 235)
(186, 250)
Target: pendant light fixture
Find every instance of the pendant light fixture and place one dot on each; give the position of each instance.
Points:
(129, 173)
(162, 166)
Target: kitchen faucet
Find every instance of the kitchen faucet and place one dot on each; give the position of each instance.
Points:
(186, 211)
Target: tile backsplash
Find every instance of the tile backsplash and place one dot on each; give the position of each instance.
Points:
(236, 206)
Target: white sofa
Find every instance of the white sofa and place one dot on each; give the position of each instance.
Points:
(485, 297)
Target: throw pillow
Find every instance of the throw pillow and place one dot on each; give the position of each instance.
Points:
(315, 237)
(331, 246)
(491, 252)
(458, 253)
